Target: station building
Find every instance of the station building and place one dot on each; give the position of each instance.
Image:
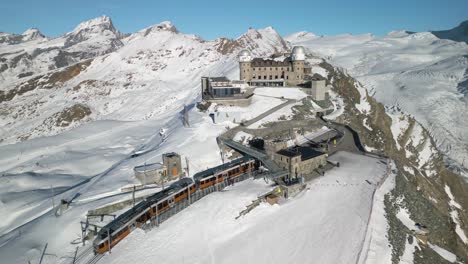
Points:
(219, 87)
(300, 161)
(286, 70)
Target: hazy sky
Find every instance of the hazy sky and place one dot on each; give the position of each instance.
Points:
(211, 19)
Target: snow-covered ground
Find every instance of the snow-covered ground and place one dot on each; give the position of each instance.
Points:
(32, 204)
(330, 217)
(236, 114)
(286, 92)
(418, 72)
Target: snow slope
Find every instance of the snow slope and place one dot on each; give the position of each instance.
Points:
(417, 72)
(330, 217)
(132, 92)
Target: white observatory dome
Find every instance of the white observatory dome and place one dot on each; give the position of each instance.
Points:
(298, 53)
(244, 53)
(245, 56)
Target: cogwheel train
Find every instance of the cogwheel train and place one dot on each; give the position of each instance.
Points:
(120, 227)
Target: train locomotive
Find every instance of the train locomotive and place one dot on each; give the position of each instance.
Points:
(121, 226)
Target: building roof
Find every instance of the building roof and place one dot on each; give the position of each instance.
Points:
(149, 167)
(267, 62)
(219, 79)
(306, 153)
(244, 52)
(211, 171)
(171, 154)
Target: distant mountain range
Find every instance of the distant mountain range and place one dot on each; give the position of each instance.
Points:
(49, 85)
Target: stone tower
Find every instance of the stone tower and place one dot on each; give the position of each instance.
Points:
(297, 60)
(245, 65)
(173, 164)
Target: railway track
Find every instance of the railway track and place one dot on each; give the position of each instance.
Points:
(86, 256)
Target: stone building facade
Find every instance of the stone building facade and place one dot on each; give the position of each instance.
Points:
(285, 70)
(173, 164)
(300, 161)
(155, 173)
(318, 89)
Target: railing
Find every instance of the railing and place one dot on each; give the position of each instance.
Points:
(86, 254)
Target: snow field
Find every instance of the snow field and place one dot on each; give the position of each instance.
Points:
(328, 218)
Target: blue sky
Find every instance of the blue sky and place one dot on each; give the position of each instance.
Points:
(211, 19)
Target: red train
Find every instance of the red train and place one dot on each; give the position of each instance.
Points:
(162, 201)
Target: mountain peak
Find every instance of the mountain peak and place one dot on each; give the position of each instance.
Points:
(163, 26)
(262, 42)
(96, 25)
(31, 34)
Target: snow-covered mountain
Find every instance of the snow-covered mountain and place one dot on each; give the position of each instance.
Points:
(30, 54)
(459, 33)
(157, 63)
(424, 74)
(104, 95)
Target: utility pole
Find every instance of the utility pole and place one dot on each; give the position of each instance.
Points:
(74, 258)
(109, 240)
(133, 195)
(187, 166)
(43, 253)
(53, 200)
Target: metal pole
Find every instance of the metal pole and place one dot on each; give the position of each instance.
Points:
(109, 240)
(133, 195)
(43, 252)
(53, 201)
(76, 252)
(157, 216)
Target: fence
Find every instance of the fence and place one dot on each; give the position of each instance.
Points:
(159, 218)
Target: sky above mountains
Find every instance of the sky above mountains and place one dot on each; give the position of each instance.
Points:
(211, 19)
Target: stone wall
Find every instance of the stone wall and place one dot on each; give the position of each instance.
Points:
(307, 167)
(293, 74)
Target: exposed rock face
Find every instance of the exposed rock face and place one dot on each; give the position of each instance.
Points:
(98, 27)
(459, 33)
(89, 39)
(46, 81)
(422, 179)
(28, 35)
(32, 34)
(263, 42)
(71, 114)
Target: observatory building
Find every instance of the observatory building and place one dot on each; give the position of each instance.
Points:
(281, 71)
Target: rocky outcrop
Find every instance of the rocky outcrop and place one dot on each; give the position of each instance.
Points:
(71, 114)
(459, 33)
(422, 179)
(46, 81)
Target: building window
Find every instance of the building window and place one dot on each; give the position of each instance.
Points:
(271, 77)
(276, 76)
(264, 77)
(287, 77)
